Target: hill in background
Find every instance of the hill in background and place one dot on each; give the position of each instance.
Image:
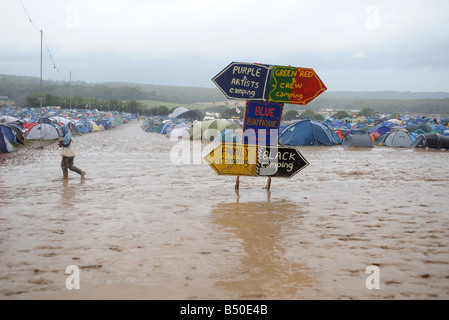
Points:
(17, 88)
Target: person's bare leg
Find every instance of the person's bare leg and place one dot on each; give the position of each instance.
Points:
(268, 185)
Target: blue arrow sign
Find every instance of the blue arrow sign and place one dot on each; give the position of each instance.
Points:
(244, 81)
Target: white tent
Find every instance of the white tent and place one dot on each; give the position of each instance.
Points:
(177, 112)
(8, 119)
(397, 121)
(42, 131)
(400, 139)
(60, 120)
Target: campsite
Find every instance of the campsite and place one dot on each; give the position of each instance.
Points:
(142, 227)
(19, 125)
(361, 132)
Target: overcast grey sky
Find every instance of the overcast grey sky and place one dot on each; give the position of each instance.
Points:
(353, 45)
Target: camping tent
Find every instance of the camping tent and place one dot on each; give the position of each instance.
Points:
(182, 112)
(8, 133)
(177, 112)
(5, 145)
(422, 128)
(379, 130)
(86, 123)
(438, 128)
(357, 141)
(94, 126)
(60, 120)
(166, 125)
(27, 126)
(434, 141)
(47, 131)
(180, 131)
(380, 141)
(308, 133)
(17, 130)
(73, 127)
(398, 138)
(81, 127)
(8, 119)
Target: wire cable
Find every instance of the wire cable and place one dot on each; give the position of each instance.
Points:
(26, 12)
(45, 40)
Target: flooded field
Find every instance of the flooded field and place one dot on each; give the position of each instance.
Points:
(142, 227)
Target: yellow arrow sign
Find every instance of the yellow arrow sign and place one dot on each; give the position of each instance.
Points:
(233, 159)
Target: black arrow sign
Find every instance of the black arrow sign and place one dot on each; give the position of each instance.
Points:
(283, 162)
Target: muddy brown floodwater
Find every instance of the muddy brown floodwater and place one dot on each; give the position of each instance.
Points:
(142, 226)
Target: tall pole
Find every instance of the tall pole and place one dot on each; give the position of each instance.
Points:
(70, 89)
(41, 74)
(40, 99)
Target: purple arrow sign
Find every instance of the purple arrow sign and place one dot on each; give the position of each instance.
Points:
(244, 81)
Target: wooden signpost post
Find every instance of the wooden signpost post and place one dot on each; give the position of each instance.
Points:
(266, 88)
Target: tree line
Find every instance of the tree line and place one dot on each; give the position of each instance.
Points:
(388, 106)
(18, 88)
(135, 107)
(49, 100)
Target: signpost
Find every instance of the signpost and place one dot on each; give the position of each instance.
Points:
(266, 88)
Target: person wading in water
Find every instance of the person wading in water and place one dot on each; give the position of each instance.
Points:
(68, 153)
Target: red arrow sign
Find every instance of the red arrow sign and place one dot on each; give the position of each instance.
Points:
(294, 85)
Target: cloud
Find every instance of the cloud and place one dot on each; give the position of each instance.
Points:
(178, 41)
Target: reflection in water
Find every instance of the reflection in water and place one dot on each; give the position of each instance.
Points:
(237, 193)
(68, 192)
(267, 268)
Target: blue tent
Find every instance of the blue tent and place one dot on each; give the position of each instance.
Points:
(87, 124)
(308, 133)
(438, 128)
(81, 127)
(105, 123)
(8, 133)
(167, 125)
(5, 145)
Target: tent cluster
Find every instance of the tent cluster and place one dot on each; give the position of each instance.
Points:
(368, 133)
(194, 130)
(183, 123)
(415, 132)
(20, 124)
